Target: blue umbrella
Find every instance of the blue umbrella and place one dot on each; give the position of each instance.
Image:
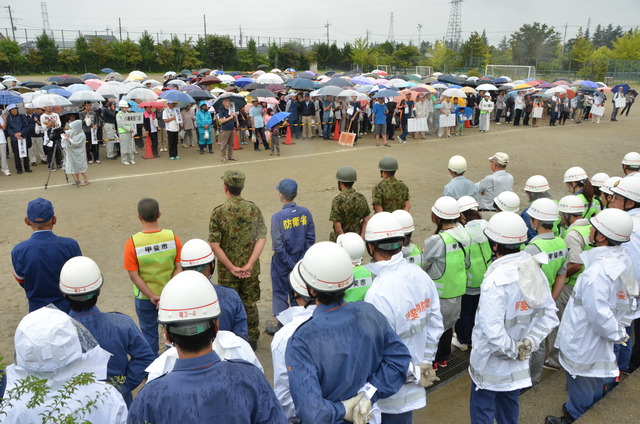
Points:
(78, 87)
(178, 96)
(219, 72)
(61, 92)
(589, 84)
(290, 70)
(89, 75)
(241, 82)
(276, 119)
(134, 107)
(8, 97)
(625, 88)
(107, 70)
(385, 93)
(50, 87)
(300, 84)
(500, 80)
(54, 79)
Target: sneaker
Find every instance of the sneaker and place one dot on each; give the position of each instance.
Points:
(178, 157)
(90, 161)
(400, 140)
(7, 173)
(461, 346)
(565, 419)
(133, 162)
(98, 161)
(172, 158)
(442, 364)
(126, 163)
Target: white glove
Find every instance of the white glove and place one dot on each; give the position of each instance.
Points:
(357, 409)
(524, 349)
(623, 342)
(427, 375)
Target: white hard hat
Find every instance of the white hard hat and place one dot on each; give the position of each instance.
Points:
(457, 164)
(196, 252)
(80, 277)
(446, 207)
(405, 219)
(628, 187)
(575, 173)
(188, 300)
(508, 201)
(123, 103)
(384, 226)
(608, 184)
(571, 204)
(506, 228)
(536, 184)
(545, 210)
(631, 159)
(614, 224)
(353, 244)
(598, 179)
(467, 202)
(297, 284)
(326, 268)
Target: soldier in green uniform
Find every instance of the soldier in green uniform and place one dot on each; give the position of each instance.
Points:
(237, 234)
(390, 194)
(349, 209)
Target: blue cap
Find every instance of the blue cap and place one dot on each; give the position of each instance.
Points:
(11, 106)
(287, 186)
(39, 210)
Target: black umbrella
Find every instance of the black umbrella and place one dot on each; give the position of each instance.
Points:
(33, 84)
(304, 74)
(263, 92)
(236, 99)
(89, 75)
(339, 82)
(70, 80)
(330, 73)
(301, 84)
(254, 86)
(107, 70)
(450, 79)
(469, 83)
(200, 95)
(263, 66)
(402, 77)
(54, 79)
(634, 93)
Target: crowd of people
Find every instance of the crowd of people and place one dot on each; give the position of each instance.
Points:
(549, 284)
(169, 125)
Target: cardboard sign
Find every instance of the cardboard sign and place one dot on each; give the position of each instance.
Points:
(417, 125)
(133, 118)
(447, 120)
(347, 139)
(620, 102)
(537, 112)
(597, 110)
(488, 106)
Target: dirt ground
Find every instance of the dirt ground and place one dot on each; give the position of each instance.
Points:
(102, 215)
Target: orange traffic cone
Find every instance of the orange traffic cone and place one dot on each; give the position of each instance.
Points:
(467, 123)
(288, 139)
(148, 151)
(236, 141)
(336, 132)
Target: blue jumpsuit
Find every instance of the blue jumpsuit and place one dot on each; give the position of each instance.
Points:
(292, 233)
(207, 390)
(234, 316)
(120, 336)
(339, 349)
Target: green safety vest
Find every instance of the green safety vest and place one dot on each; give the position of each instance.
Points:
(415, 257)
(156, 253)
(122, 127)
(590, 209)
(556, 250)
(584, 231)
(362, 281)
(479, 256)
(453, 282)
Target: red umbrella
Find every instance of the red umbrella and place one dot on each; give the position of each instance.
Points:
(276, 87)
(209, 80)
(94, 83)
(561, 82)
(155, 104)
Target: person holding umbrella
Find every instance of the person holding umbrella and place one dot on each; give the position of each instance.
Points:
(150, 122)
(172, 117)
(257, 122)
(630, 97)
(90, 126)
(619, 102)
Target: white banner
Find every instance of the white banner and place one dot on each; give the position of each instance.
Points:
(620, 102)
(94, 136)
(597, 110)
(537, 112)
(22, 148)
(447, 120)
(133, 118)
(417, 125)
(488, 106)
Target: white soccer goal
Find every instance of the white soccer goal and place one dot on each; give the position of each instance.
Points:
(383, 68)
(425, 71)
(515, 72)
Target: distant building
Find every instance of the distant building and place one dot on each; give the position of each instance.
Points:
(108, 38)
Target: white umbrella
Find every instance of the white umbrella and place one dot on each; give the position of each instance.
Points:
(28, 97)
(227, 79)
(132, 84)
(217, 91)
(169, 74)
(46, 100)
(486, 87)
(112, 89)
(330, 90)
(439, 86)
(275, 71)
(398, 83)
(454, 92)
(269, 78)
(78, 87)
(177, 82)
(153, 83)
(85, 96)
(137, 75)
(142, 94)
(556, 90)
(348, 93)
(362, 96)
(506, 77)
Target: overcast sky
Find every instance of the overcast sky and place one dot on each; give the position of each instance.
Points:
(307, 19)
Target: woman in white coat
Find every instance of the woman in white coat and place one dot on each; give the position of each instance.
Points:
(75, 156)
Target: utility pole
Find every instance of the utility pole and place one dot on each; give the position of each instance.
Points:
(240, 35)
(419, 34)
(26, 37)
(13, 28)
(62, 33)
(367, 37)
(120, 29)
(390, 36)
(327, 27)
(204, 17)
(564, 39)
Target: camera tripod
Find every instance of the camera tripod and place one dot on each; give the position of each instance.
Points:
(56, 146)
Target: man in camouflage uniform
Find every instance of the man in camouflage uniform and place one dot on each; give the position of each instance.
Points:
(237, 234)
(390, 194)
(349, 209)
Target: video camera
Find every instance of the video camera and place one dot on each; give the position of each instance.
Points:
(55, 134)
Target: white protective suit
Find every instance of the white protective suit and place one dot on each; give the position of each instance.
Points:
(226, 344)
(597, 313)
(75, 156)
(515, 303)
(633, 249)
(51, 345)
(291, 319)
(408, 298)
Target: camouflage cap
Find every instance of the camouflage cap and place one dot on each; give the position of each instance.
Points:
(233, 179)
